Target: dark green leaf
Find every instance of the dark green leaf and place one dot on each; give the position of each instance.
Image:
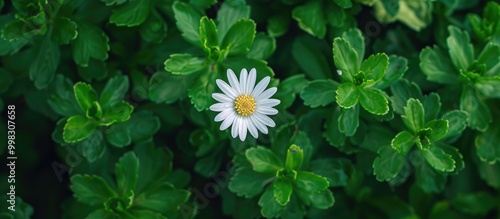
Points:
(349, 121)
(78, 128)
(457, 121)
(270, 208)
(91, 42)
(182, 64)
(168, 88)
(154, 29)
(460, 48)
(478, 203)
(229, 13)
(438, 159)
(395, 71)
(373, 101)
(391, 6)
(432, 106)
(188, 21)
(343, 3)
(487, 144)
(248, 183)
(91, 190)
(414, 115)
(262, 48)
(402, 91)
(164, 198)
(44, 67)
(201, 90)
(114, 91)
(310, 58)
(319, 93)
(388, 164)
(357, 41)
(403, 142)
(437, 66)
(239, 38)
(131, 14)
(64, 30)
(345, 58)
(332, 132)
(334, 170)
(263, 160)
(127, 172)
(479, 113)
(489, 86)
(310, 18)
(310, 182)
(277, 25)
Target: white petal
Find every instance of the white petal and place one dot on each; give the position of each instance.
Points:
(267, 110)
(268, 103)
(265, 119)
(233, 81)
(243, 129)
(259, 125)
(251, 80)
(261, 86)
(223, 115)
(234, 129)
(251, 128)
(243, 81)
(218, 107)
(226, 89)
(221, 97)
(266, 94)
(228, 121)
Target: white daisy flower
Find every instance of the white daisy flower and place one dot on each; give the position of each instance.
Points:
(244, 106)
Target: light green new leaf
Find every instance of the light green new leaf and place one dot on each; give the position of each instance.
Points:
(44, 67)
(388, 164)
(85, 96)
(414, 115)
(403, 142)
(357, 41)
(438, 159)
(127, 172)
(114, 91)
(439, 128)
(118, 112)
(282, 190)
(487, 144)
(183, 64)
(457, 122)
(132, 13)
(248, 183)
(373, 101)
(319, 93)
(208, 34)
(270, 208)
(349, 121)
(310, 182)
(375, 66)
(294, 157)
(91, 42)
(78, 128)
(229, 13)
(479, 113)
(310, 18)
(91, 190)
(460, 48)
(263, 160)
(345, 58)
(64, 30)
(188, 21)
(347, 95)
(239, 38)
(437, 66)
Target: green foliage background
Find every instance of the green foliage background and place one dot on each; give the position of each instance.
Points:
(389, 108)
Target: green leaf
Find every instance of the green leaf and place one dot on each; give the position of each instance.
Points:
(201, 90)
(248, 183)
(489, 86)
(310, 18)
(288, 88)
(347, 95)
(487, 145)
(391, 6)
(127, 172)
(490, 56)
(434, 63)
(208, 34)
(349, 121)
(455, 155)
(403, 142)
(183, 64)
(375, 66)
(262, 48)
(489, 173)
(477, 203)
(100, 214)
(310, 182)
(118, 112)
(78, 128)
(432, 106)
(319, 93)
(62, 100)
(154, 29)
(114, 91)
(373, 101)
(457, 122)
(311, 59)
(426, 177)
(277, 25)
(438, 159)
(479, 113)
(44, 67)
(163, 198)
(402, 91)
(343, 3)
(397, 67)
(229, 13)
(414, 115)
(91, 42)
(144, 214)
(345, 58)
(460, 48)
(188, 21)
(332, 132)
(388, 164)
(85, 96)
(294, 157)
(263, 160)
(91, 190)
(357, 41)
(239, 38)
(64, 30)
(439, 128)
(168, 88)
(334, 170)
(132, 13)
(282, 190)
(320, 200)
(270, 208)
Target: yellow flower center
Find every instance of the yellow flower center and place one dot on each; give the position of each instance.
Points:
(244, 105)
